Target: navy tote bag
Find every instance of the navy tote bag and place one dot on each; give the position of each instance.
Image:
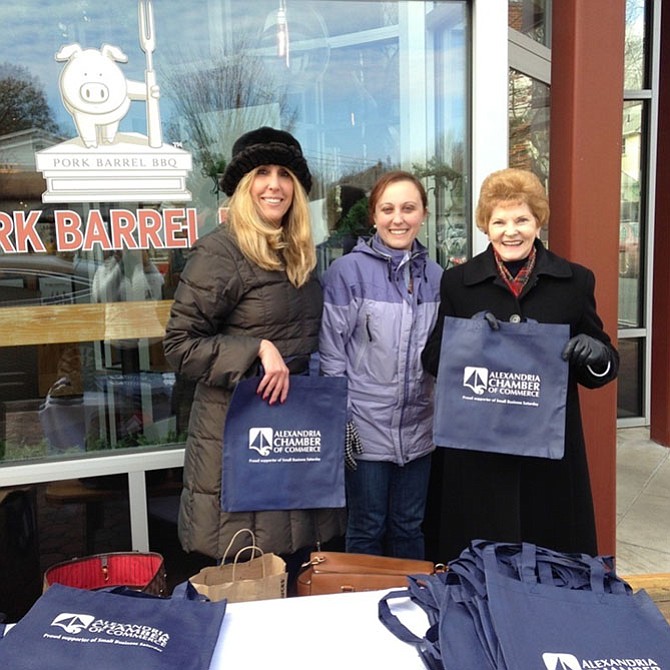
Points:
(503, 390)
(542, 624)
(70, 629)
(288, 455)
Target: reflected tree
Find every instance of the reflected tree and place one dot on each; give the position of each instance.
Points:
(634, 47)
(528, 115)
(23, 103)
(214, 103)
(446, 187)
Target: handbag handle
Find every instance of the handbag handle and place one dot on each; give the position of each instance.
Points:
(182, 591)
(313, 368)
(232, 542)
(481, 316)
(253, 548)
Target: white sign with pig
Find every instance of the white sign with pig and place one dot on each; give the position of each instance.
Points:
(96, 92)
(103, 164)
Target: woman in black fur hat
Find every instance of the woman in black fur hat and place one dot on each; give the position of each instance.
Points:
(248, 297)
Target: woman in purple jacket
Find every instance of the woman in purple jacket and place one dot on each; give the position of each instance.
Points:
(380, 305)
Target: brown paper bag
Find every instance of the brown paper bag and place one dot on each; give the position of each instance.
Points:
(263, 577)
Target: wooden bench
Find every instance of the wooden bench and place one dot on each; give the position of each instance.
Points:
(76, 491)
(657, 586)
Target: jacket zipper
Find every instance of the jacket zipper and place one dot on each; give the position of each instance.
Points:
(368, 330)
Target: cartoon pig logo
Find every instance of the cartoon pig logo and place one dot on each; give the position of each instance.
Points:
(95, 91)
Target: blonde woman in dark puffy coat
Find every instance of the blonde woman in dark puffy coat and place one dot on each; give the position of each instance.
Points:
(248, 297)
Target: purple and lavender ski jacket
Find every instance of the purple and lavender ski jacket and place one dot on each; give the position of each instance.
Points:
(372, 332)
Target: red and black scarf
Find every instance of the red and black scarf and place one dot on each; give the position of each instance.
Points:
(516, 283)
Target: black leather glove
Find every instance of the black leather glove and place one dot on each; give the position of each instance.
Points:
(489, 317)
(585, 350)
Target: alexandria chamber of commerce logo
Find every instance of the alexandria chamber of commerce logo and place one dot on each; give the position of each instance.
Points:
(275, 445)
(562, 661)
(503, 386)
(82, 628)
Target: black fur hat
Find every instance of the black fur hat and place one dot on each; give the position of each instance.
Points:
(265, 146)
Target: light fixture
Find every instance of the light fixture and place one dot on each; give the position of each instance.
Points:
(295, 57)
(283, 47)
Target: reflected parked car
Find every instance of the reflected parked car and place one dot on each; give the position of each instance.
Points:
(39, 279)
(629, 249)
(47, 279)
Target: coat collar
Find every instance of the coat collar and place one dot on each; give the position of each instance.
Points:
(483, 266)
(373, 246)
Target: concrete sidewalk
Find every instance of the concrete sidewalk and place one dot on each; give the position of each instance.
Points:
(643, 504)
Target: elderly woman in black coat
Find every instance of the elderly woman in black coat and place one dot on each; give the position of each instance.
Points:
(508, 498)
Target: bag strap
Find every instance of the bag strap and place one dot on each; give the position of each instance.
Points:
(428, 592)
(186, 591)
(427, 650)
(232, 541)
(313, 368)
(183, 591)
(254, 548)
(314, 364)
(392, 622)
(481, 316)
(528, 572)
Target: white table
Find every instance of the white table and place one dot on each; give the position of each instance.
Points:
(335, 631)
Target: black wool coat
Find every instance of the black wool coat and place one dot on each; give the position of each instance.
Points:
(499, 497)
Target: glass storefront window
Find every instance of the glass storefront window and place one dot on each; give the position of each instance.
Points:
(531, 18)
(528, 114)
(445, 171)
(631, 247)
(630, 379)
(635, 225)
(528, 124)
(99, 208)
(635, 52)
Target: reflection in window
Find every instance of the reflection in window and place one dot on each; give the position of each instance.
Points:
(630, 383)
(631, 249)
(73, 398)
(635, 60)
(531, 18)
(365, 87)
(528, 112)
(342, 89)
(341, 81)
(444, 171)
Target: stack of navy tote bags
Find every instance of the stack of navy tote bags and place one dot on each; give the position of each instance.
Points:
(521, 607)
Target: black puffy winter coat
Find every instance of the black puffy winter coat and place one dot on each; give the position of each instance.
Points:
(224, 305)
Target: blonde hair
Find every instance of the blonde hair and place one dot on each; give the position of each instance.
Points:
(289, 247)
(511, 185)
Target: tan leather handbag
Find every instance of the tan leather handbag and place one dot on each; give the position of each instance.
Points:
(338, 572)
